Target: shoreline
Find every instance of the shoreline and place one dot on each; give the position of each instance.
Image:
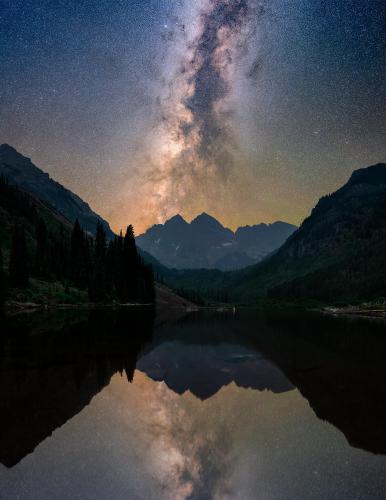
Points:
(15, 307)
(355, 311)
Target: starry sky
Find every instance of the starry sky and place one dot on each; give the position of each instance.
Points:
(247, 109)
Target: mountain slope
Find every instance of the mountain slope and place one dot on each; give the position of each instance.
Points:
(338, 253)
(205, 243)
(45, 260)
(20, 171)
(24, 209)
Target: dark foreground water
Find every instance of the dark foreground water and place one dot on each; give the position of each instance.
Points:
(208, 406)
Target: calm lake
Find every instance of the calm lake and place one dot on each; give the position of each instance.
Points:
(244, 405)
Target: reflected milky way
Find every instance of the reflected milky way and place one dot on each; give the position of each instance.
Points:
(210, 406)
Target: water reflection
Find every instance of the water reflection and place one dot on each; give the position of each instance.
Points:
(336, 363)
(205, 369)
(52, 365)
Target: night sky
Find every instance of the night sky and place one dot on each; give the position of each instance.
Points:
(247, 110)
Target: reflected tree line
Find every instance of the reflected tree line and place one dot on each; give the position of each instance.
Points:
(53, 364)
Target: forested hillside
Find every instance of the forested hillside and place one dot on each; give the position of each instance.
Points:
(338, 253)
(46, 258)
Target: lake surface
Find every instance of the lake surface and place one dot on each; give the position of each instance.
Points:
(122, 405)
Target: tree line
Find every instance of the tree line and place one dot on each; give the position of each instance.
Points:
(108, 270)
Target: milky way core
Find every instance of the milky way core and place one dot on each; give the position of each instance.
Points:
(194, 150)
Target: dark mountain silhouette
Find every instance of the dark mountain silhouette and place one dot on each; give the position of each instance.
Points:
(205, 369)
(205, 243)
(19, 170)
(338, 253)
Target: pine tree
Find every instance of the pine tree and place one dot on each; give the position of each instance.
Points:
(98, 288)
(18, 264)
(117, 265)
(100, 242)
(42, 256)
(131, 265)
(79, 257)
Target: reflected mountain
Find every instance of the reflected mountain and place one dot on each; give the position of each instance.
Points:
(52, 365)
(338, 365)
(205, 369)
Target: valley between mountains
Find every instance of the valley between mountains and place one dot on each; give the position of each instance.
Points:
(336, 256)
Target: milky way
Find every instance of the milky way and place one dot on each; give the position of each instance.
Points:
(247, 109)
(196, 154)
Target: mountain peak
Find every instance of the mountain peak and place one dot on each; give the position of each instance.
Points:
(10, 152)
(206, 243)
(375, 174)
(176, 219)
(206, 219)
(7, 147)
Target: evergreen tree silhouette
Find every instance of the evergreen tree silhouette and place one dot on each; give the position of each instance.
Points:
(116, 262)
(18, 263)
(100, 242)
(98, 288)
(79, 257)
(130, 265)
(42, 256)
(60, 256)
